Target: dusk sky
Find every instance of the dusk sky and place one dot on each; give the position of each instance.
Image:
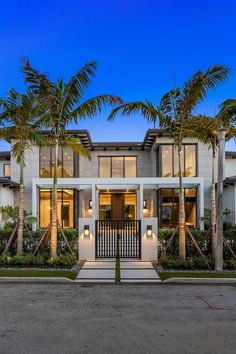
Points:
(142, 47)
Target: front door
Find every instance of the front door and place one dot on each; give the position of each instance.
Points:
(117, 206)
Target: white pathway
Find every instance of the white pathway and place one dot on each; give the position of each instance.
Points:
(131, 272)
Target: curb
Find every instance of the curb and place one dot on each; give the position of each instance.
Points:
(217, 281)
(35, 280)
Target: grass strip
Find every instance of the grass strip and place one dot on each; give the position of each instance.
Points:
(38, 273)
(117, 277)
(168, 275)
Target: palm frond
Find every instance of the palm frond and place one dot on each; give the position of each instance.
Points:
(94, 105)
(75, 144)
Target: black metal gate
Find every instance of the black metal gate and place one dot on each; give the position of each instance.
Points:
(129, 233)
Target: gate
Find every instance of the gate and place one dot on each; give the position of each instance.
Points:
(107, 232)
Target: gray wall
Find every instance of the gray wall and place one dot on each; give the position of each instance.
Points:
(144, 162)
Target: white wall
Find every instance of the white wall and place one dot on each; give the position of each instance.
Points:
(230, 202)
(230, 167)
(87, 243)
(6, 198)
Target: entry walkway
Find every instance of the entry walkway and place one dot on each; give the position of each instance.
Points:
(104, 272)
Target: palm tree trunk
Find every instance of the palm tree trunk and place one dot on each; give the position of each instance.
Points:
(20, 231)
(213, 209)
(182, 235)
(53, 243)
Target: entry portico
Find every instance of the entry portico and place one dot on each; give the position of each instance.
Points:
(144, 189)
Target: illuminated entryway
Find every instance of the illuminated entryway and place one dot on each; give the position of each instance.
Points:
(117, 205)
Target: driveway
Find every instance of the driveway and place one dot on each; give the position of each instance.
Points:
(61, 318)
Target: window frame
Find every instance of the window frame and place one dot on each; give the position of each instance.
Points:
(173, 202)
(62, 161)
(60, 190)
(121, 156)
(4, 169)
(160, 169)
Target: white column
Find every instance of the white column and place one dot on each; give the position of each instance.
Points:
(34, 204)
(201, 205)
(94, 207)
(140, 201)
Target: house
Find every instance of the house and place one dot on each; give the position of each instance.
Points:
(128, 189)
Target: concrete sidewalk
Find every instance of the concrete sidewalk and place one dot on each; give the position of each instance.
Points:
(131, 272)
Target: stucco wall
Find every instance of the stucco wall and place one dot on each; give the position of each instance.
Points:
(31, 171)
(144, 163)
(230, 167)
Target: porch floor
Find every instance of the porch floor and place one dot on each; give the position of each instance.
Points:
(104, 272)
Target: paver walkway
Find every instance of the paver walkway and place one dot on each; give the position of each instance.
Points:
(131, 272)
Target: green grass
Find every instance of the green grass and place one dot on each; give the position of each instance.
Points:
(38, 273)
(168, 275)
(117, 276)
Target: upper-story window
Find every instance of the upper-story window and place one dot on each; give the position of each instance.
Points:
(7, 170)
(169, 161)
(65, 167)
(117, 166)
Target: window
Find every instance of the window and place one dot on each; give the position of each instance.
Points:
(65, 207)
(170, 164)
(7, 170)
(169, 211)
(117, 166)
(105, 206)
(65, 168)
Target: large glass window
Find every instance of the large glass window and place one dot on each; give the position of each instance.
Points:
(65, 207)
(105, 206)
(117, 166)
(65, 164)
(7, 170)
(170, 163)
(169, 207)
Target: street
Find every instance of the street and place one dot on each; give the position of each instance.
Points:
(61, 318)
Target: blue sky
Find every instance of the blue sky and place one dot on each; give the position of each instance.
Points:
(142, 47)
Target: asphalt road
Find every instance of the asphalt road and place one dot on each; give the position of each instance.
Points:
(61, 318)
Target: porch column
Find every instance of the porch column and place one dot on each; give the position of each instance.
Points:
(34, 205)
(201, 205)
(140, 201)
(94, 206)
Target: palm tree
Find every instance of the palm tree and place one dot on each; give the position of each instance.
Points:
(20, 112)
(175, 113)
(63, 103)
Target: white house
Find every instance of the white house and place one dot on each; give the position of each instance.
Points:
(127, 189)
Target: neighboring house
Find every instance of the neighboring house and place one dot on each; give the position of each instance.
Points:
(230, 185)
(7, 186)
(127, 189)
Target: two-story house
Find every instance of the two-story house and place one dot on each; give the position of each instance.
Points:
(127, 189)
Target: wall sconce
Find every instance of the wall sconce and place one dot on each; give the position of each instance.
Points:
(90, 204)
(86, 231)
(149, 230)
(144, 204)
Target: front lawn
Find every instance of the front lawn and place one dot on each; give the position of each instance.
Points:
(168, 275)
(38, 273)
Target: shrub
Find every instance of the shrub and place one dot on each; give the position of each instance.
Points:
(190, 263)
(62, 261)
(27, 260)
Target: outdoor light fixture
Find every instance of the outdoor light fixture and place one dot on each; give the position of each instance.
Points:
(144, 204)
(90, 204)
(86, 231)
(149, 230)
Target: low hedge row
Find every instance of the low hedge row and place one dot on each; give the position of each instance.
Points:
(172, 262)
(42, 261)
(31, 240)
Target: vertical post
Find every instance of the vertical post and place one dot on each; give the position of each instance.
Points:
(219, 229)
(140, 201)
(201, 205)
(34, 204)
(94, 207)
